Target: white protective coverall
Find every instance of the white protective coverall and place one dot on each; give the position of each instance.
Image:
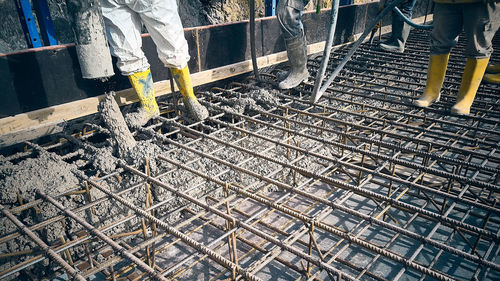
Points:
(124, 19)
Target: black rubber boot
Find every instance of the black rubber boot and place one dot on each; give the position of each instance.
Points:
(296, 49)
(400, 32)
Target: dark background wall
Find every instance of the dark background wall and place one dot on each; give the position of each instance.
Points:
(192, 12)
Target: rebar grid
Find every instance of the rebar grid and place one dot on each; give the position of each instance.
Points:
(360, 186)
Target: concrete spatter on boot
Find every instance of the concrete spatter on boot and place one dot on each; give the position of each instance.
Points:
(195, 110)
(294, 79)
(182, 78)
(142, 82)
(297, 58)
(147, 85)
(137, 118)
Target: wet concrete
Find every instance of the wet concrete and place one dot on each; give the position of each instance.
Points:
(46, 173)
(124, 142)
(195, 110)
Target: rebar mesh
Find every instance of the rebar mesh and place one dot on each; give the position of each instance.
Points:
(362, 185)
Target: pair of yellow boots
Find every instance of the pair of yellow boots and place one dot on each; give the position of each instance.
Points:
(142, 82)
(471, 78)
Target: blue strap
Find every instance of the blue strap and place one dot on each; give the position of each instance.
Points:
(30, 23)
(270, 7)
(45, 23)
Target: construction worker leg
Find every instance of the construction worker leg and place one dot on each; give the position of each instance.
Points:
(142, 82)
(289, 13)
(493, 73)
(435, 78)
(289, 16)
(123, 30)
(165, 27)
(164, 24)
(448, 22)
(483, 21)
(400, 29)
(447, 27)
(297, 58)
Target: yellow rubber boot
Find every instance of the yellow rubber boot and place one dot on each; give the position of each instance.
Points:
(142, 82)
(492, 78)
(435, 79)
(197, 111)
(493, 68)
(473, 74)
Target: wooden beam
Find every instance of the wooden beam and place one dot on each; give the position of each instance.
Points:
(80, 108)
(26, 126)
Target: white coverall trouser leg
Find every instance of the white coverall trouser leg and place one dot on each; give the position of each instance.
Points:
(124, 19)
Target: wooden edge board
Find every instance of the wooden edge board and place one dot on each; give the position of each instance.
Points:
(25, 125)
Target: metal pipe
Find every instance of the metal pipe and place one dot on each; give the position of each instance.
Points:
(328, 49)
(91, 43)
(354, 47)
(410, 22)
(252, 39)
